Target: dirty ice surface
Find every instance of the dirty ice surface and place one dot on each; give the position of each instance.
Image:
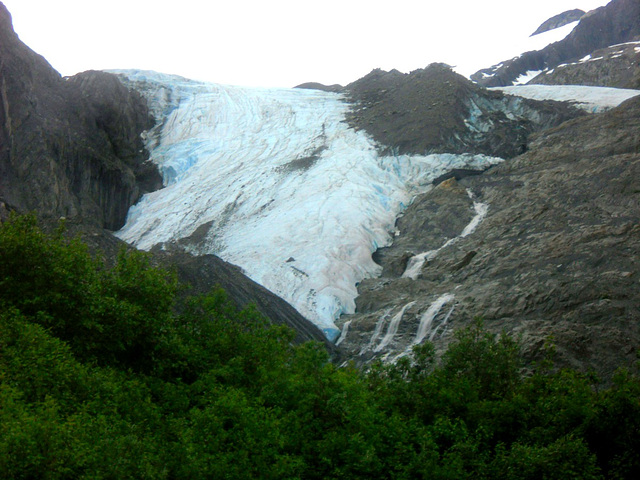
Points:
(591, 99)
(274, 181)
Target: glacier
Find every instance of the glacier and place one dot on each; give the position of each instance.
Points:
(276, 182)
(588, 98)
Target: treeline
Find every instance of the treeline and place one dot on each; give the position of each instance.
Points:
(104, 373)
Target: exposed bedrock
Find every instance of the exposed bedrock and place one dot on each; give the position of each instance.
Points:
(435, 110)
(615, 66)
(555, 259)
(559, 20)
(68, 147)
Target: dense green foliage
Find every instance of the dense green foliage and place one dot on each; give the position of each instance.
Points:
(101, 376)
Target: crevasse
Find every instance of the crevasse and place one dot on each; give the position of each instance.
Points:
(280, 184)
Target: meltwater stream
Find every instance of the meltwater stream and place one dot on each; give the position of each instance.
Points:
(276, 182)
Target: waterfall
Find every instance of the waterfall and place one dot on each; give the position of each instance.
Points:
(427, 317)
(415, 263)
(393, 327)
(345, 330)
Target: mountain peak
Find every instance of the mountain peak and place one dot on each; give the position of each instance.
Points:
(559, 20)
(6, 22)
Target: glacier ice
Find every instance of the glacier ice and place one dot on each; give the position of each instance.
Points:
(591, 99)
(276, 182)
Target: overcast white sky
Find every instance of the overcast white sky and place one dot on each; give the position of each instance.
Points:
(279, 42)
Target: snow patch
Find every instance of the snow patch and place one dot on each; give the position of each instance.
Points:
(526, 77)
(625, 44)
(591, 99)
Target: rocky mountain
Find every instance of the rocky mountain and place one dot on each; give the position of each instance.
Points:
(615, 66)
(559, 20)
(522, 211)
(72, 147)
(435, 110)
(554, 257)
(617, 22)
(542, 245)
(69, 147)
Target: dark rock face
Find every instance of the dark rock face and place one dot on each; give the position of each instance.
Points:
(616, 66)
(555, 256)
(429, 222)
(559, 20)
(68, 147)
(617, 22)
(435, 110)
(204, 271)
(319, 86)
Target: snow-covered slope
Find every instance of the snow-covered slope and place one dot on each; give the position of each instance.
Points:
(591, 99)
(514, 49)
(273, 180)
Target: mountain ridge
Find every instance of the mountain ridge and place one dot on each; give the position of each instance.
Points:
(541, 244)
(617, 22)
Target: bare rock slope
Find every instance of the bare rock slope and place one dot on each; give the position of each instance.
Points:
(616, 66)
(555, 258)
(68, 147)
(559, 20)
(434, 110)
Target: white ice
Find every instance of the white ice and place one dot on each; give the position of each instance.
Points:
(591, 99)
(280, 185)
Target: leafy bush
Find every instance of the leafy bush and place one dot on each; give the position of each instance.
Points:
(101, 376)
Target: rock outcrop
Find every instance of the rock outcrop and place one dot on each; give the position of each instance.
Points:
(559, 20)
(617, 22)
(319, 86)
(554, 260)
(435, 110)
(68, 147)
(616, 66)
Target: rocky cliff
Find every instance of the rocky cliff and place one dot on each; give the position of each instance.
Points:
(559, 20)
(554, 258)
(68, 147)
(615, 66)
